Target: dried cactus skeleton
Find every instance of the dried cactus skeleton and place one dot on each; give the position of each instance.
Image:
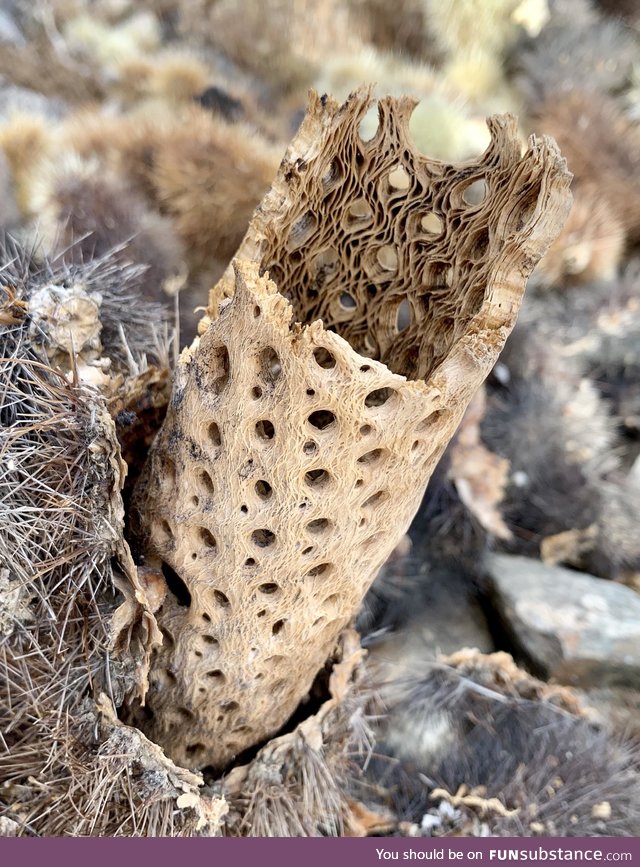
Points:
(293, 456)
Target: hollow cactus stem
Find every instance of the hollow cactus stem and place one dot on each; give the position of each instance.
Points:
(293, 458)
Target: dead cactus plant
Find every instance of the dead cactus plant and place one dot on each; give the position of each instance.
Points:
(295, 453)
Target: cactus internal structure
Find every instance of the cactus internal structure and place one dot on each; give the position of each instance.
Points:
(371, 296)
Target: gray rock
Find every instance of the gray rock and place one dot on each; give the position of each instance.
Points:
(441, 617)
(21, 100)
(579, 629)
(10, 33)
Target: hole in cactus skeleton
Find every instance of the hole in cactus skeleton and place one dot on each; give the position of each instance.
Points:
(317, 478)
(369, 124)
(431, 223)
(177, 587)
(168, 641)
(301, 231)
(228, 706)
(320, 569)
(366, 429)
(184, 713)
(475, 192)
(278, 626)
(256, 392)
(371, 457)
(263, 489)
(399, 178)
(265, 429)
(325, 263)
(268, 588)
(263, 538)
(270, 366)
(206, 481)
(387, 258)
(348, 302)
(310, 447)
(250, 561)
(321, 419)
(324, 358)
(318, 525)
(218, 366)
(206, 617)
(165, 531)
(370, 349)
(332, 176)
(221, 599)
(368, 543)
(376, 499)
(379, 397)
(430, 420)
(209, 639)
(403, 316)
(213, 432)
(359, 210)
(207, 538)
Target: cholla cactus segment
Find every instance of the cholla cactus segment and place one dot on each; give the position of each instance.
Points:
(293, 458)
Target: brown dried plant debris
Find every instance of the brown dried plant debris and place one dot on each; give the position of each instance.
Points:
(85, 211)
(271, 40)
(479, 475)
(513, 756)
(604, 156)
(107, 780)
(289, 464)
(209, 175)
(590, 246)
(63, 560)
(204, 173)
(87, 319)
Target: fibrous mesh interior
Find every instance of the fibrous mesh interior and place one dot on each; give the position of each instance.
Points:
(392, 250)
